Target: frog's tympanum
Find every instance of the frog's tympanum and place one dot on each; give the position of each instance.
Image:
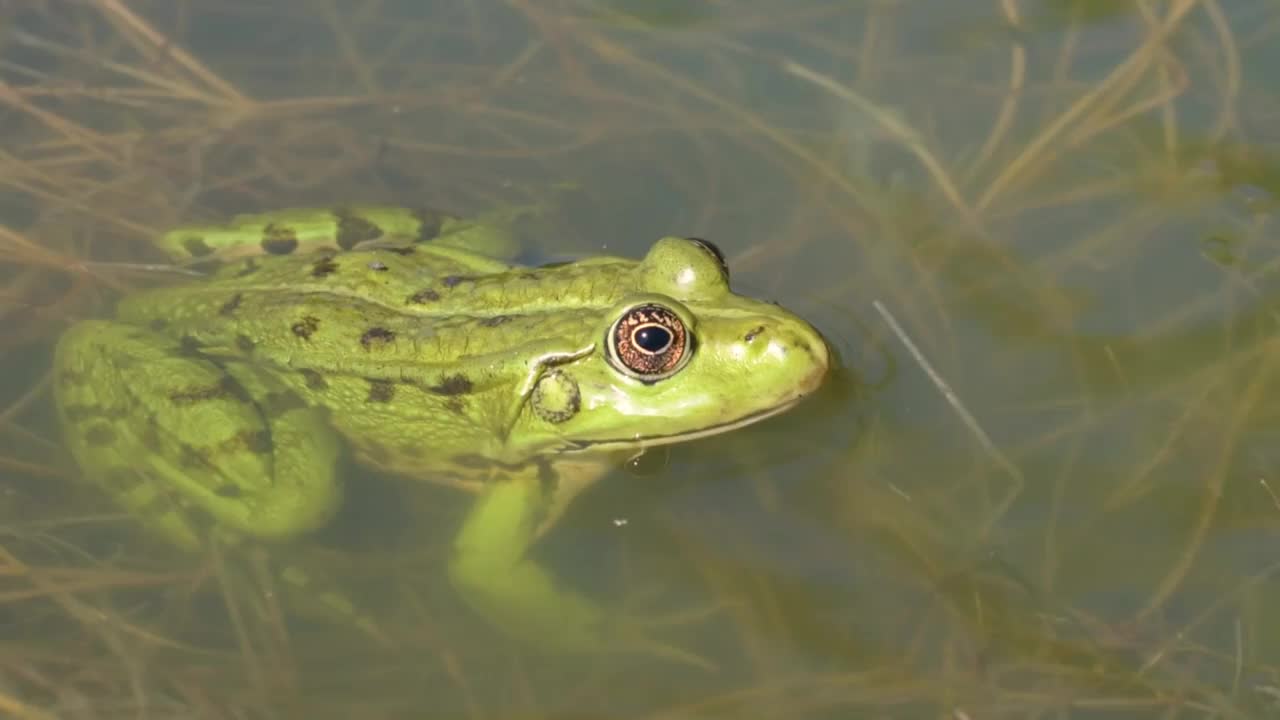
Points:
(217, 409)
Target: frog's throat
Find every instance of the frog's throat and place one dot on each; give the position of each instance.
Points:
(642, 442)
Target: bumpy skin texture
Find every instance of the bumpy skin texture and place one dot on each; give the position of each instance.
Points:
(300, 231)
(218, 408)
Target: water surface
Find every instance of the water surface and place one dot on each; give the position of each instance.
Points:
(1040, 235)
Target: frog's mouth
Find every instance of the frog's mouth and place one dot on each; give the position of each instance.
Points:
(640, 442)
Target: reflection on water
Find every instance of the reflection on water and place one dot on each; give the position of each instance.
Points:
(1061, 502)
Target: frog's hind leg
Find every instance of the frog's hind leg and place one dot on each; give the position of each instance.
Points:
(112, 436)
(195, 451)
(159, 426)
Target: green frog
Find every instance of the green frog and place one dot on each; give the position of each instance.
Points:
(218, 409)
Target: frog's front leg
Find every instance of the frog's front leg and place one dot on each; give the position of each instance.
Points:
(197, 450)
(493, 572)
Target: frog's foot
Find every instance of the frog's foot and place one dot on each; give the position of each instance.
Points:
(494, 575)
(497, 234)
(635, 631)
(521, 601)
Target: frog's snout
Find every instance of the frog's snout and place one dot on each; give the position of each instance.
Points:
(810, 349)
(789, 350)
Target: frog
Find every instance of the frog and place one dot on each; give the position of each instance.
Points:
(220, 409)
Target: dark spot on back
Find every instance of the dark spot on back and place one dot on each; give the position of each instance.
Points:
(244, 343)
(452, 385)
(231, 304)
(314, 380)
(353, 230)
(381, 391)
(402, 249)
(279, 239)
(455, 405)
(228, 491)
(99, 435)
(496, 320)
(376, 336)
(423, 296)
(226, 388)
(188, 346)
(196, 246)
(305, 327)
(429, 223)
(158, 324)
(324, 266)
(453, 280)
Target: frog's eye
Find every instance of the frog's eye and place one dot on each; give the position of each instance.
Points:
(714, 251)
(649, 343)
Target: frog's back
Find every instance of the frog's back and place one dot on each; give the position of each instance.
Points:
(425, 305)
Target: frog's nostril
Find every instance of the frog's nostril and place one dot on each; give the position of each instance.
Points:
(753, 333)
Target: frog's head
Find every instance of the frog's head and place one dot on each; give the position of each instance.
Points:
(679, 356)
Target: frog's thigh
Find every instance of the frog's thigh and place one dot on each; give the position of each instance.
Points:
(180, 442)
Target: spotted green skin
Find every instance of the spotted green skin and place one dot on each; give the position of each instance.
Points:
(218, 409)
(299, 231)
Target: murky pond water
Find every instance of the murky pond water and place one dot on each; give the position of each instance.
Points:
(1039, 238)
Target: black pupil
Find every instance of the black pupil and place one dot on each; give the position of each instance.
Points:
(652, 339)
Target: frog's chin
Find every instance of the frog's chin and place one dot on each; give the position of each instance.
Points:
(639, 443)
